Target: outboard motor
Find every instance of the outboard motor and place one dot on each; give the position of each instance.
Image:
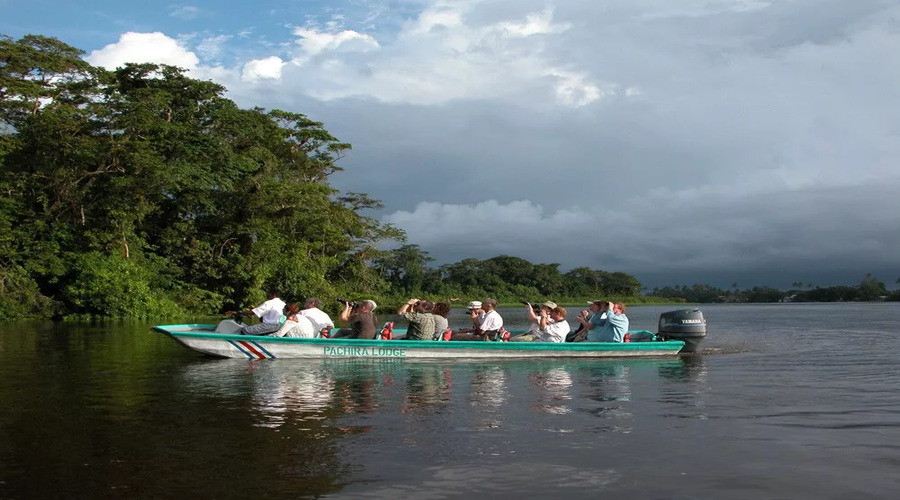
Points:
(688, 325)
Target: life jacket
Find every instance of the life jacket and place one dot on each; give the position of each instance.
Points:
(448, 333)
(386, 331)
(504, 335)
(325, 333)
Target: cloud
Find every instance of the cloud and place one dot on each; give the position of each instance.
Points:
(257, 69)
(313, 42)
(445, 53)
(726, 137)
(143, 48)
(184, 12)
(211, 47)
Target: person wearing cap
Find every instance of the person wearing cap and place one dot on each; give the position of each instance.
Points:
(613, 328)
(475, 312)
(486, 326)
(535, 318)
(552, 327)
(421, 320)
(361, 319)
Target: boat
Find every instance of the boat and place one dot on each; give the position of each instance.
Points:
(203, 338)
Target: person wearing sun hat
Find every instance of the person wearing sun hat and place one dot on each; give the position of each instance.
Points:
(476, 312)
(485, 324)
(535, 317)
(552, 327)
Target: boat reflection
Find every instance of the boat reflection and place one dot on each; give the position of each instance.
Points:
(552, 390)
(339, 393)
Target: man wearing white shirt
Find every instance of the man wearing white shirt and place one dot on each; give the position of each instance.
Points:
(488, 325)
(269, 314)
(320, 320)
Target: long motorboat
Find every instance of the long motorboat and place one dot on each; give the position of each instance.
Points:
(204, 339)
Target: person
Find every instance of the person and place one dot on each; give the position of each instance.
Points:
(441, 311)
(614, 328)
(421, 320)
(535, 318)
(319, 318)
(295, 325)
(269, 314)
(361, 319)
(552, 327)
(487, 326)
(589, 319)
(476, 312)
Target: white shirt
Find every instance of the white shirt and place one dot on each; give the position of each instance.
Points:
(491, 321)
(270, 311)
(318, 318)
(301, 327)
(536, 326)
(554, 332)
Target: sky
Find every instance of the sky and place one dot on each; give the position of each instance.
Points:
(747, 142)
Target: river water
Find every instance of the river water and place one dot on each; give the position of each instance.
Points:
(786, 401)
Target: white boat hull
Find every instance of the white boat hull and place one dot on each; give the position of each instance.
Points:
(202, 339)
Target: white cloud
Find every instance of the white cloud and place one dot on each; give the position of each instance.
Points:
(268, 68)
(443, 54)
(313, 42)
(143, 48)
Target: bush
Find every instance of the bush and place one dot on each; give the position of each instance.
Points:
(113, 286)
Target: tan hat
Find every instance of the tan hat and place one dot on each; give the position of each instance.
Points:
(475, 304)
(550, 304)
(597, 302)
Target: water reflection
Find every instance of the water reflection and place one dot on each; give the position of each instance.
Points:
(552, 387)
(686, 386)
(428, 386)
(489, 386)
(607, 383)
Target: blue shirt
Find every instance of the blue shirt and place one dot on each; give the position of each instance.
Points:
(612, 329)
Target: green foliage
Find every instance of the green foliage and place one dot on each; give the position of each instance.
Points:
(111, 285)
(143, 180)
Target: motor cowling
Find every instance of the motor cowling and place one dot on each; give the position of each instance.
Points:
(687, 325)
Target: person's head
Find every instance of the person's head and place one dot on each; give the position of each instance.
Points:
(558, 313)
(489, 305)
(619, 307)
(424, 306)
(441, 309)
(474, 306)
(597, 305)
(313, 302)
(273, 294)
(548, 306)
(291, 309)
(366, 306)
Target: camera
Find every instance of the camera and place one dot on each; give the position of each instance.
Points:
(350, 303)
